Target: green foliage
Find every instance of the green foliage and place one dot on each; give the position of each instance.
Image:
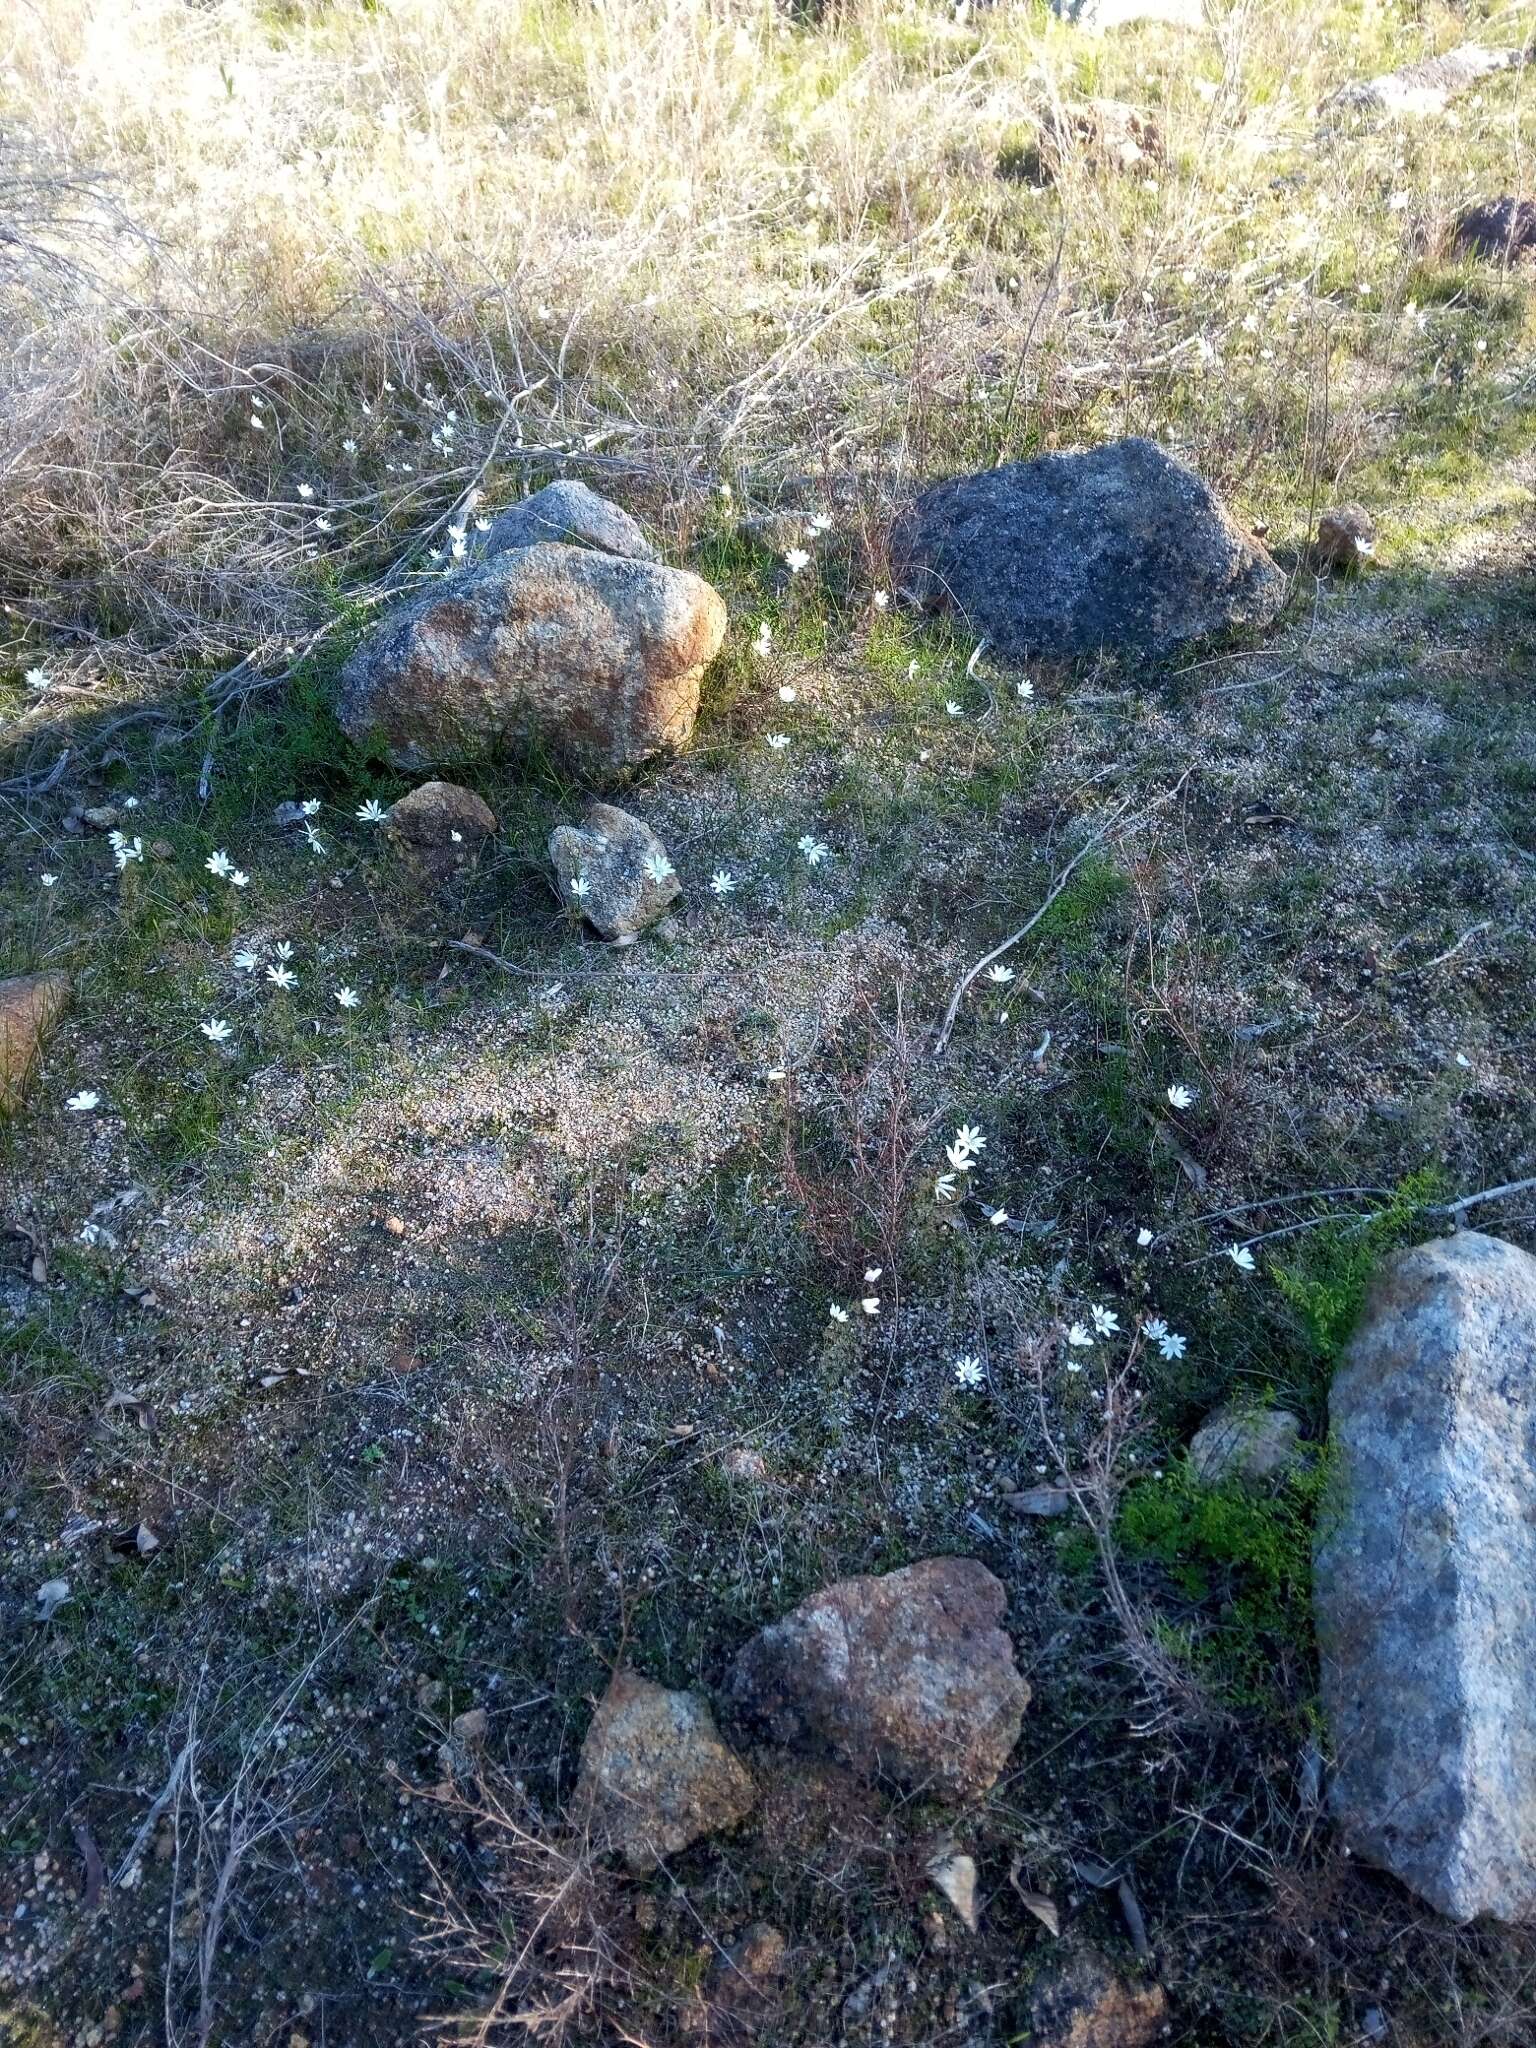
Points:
(1326, 1280)
(1244, 1557)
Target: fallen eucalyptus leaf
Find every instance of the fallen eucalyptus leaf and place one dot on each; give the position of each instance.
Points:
(1043, 1908)
(955, 1877)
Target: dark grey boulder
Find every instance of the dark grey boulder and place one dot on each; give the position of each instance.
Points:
(1425, 1580)
(1121, 548)
(1504, 229)
(566, 511)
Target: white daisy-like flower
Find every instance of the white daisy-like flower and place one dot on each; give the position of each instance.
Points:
(970, 1139)
(482, 525)
(258, 423)
(1180, 1097)
(315, 842)
(283, 950)
(1144, 1237)
(370, 813)
(239, 879)
(1077, 1336)
(659, 868)
(778, 741)
(87, 1099)
(722, 882)
(1024, 691)
(38, 679)
(348, 998)
(870, 1304)
(815, 853)
(821, 523)
(763, 638)
(952, 707)
(1172, 1345)
(838, 1315)
(968, 1370)
(944, 1187)
(126, 851)
(48, 880)
(322, 524)
(349, 447)
(872, 1274)
(959, 1158)
(787, 693)
(1241, 1257)
(247, 961)
(882, 599)
(1105, 1321)
(578, 886)
(214, 1029)
(998, 1218)
(282, 977)
(1154, 1327)
(795, 559)
(306, 490)
(1001, 975)
(1073, 1366)
(310, 807)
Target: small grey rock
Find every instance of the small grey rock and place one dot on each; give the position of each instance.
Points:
(1427, 86)
(1345, 539)
(566, 511)
(655, 1773)
(1425, 1579)
(1121, 547)
(613, 871)
(1504, 229)
(439, 826)
(1254, 1445)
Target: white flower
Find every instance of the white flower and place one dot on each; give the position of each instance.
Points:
(130, 803)
(882, 599)
(127, 850)
(322, 524)
(952, 707)
(370, 813)
(87, 1099)
(1025, 691)
(659, 868)
(1105, 1321)
(1000, 974)
(778, 741)
(1180, 1097)
(349, 447)
(348, 998)
(316, 843)
(795, 560)
(763, 639)
(37, 679)
(482, 526)
(282, 977)
(998, 1218)
(872, 1274)
(239, 879)
(1155, 1328)
(306, 490)
(215, 1029)
(911, 671)
(821, 523)
(1241, 1257)
(1077, 1336)
(722, 882)
(310, 807)
(787, 693)
(47, 880)
(870, 1304)
(578, 886)
(959, 1158)
(1143, 1237)
(1073, 1366)
(815, 853)
(1172, 1345)
(247, 961)
(968, 1370)
(258, 423)
(838, 1315)
(944, 1187)
(283, 950)
(969, 1139)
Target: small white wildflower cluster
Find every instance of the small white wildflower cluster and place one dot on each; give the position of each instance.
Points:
(869, 1304)
(219, 863)
(1104, 1323)
(125, 851)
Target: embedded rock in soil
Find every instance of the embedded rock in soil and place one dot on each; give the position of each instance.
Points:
(655, 1774)
(1121, 548)
(1084, 2003)
(1254, 1445)
(1346, 538)
(1428, 86)
(597, 658)
(566, 511)
(30, 1006)
(614, 871)
(1099, 132)
(1504, 229)
(439, 826)
(911, 1674)
(1425, 1579)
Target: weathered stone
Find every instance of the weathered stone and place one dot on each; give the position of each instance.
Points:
(1084, 2003)
(1121, 548)
(613, 870)
(1106, 133)
(439, 826)
(566, 511)
(1254, 1445)
(655, 1774)
(1504, 229)
(737, 1999)
(593, 656)
(1429, 85)
(911, 1675)
(1425, 1581)
(30, 1006)
(1345, 538)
